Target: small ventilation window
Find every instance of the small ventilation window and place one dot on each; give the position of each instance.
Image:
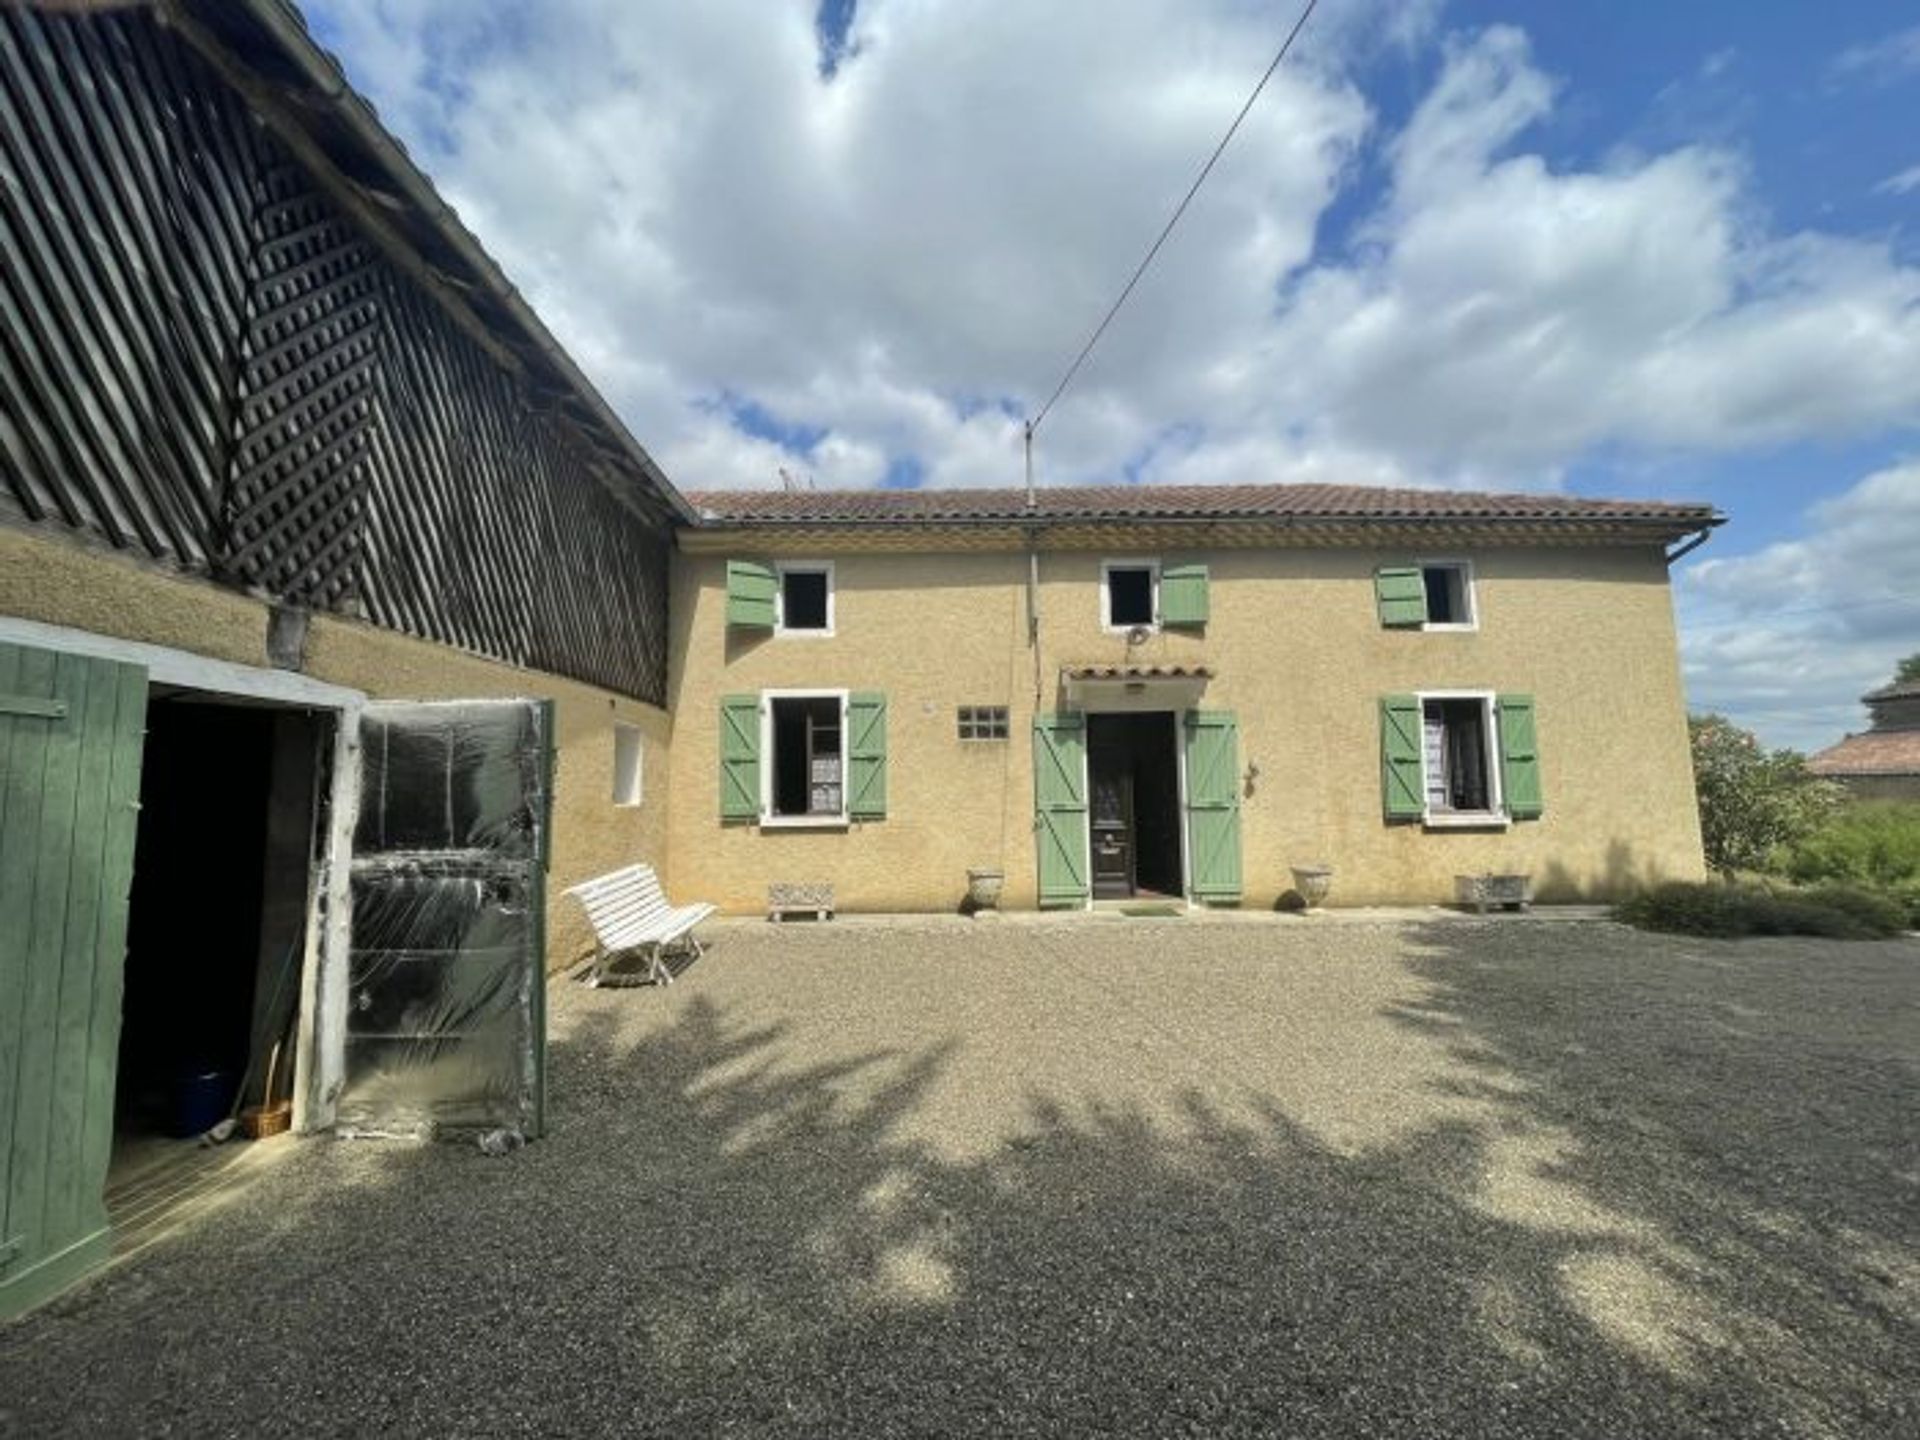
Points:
(627, 780)
(983, 722)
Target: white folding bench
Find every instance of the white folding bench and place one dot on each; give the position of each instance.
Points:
(629, 913)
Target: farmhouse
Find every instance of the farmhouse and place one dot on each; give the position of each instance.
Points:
(1178, 692)
(343, 626)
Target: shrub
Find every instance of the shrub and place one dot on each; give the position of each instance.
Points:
(1752, 801)
(1731, 912)
(1873, 843)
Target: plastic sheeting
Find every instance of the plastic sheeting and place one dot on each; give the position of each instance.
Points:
(443, 1014)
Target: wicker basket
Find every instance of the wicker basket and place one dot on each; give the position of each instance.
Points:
(257, 1122)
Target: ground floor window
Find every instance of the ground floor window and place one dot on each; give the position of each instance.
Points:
(1457, 756)
(806, 754)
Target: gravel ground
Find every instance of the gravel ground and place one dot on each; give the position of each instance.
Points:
(1126, 1176)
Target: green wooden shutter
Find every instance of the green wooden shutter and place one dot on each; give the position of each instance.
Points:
(867, 755)
(1402, 787)
(739, 757)
(1213, 806)
(1402, 596)
(71, 734)
(750, 591)
(1183, 595)
(1060, 807)
(1519, 758)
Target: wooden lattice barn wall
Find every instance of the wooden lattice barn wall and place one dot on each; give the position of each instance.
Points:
(205, 361)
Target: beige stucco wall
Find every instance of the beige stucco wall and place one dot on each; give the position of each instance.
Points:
(1301, 659)
(60, 583)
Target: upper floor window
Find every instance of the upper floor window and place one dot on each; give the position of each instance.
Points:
(804, 600)
(1449, 587)
(1129, 594)
(1433, 595)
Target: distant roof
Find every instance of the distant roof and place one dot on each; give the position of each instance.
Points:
(1898, 690)
(1067, 505)
(1877, 752)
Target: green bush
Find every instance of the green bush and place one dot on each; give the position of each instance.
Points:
(1876, 843)
(1731, 912)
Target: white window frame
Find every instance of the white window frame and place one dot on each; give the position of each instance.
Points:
(771, 821)
(621, 730)
(784, 568)
(1107, 567)
(1493, 818)
(1465, 567)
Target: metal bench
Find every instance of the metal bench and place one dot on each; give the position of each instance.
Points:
(629, 913)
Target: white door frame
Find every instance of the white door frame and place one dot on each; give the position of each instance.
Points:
(320, 1038)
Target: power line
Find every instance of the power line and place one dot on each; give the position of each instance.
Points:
(1172, 220)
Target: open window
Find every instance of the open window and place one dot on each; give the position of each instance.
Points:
(1449, 589)
(1129, 594)
(804, 600)
(806, 750)
(1459, 760)
(1433, 595)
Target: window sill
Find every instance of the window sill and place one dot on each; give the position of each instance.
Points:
(1152, 627)
(1441, 627)
(1466, 820)
(803, 822)
(803, 633)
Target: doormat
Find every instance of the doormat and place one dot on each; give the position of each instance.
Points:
(1151, 912)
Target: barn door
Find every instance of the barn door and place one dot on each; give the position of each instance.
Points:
(446, 998)
(70, 741)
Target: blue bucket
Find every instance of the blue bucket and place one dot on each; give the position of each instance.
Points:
(201, 1101)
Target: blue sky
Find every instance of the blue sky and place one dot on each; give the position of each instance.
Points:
(1640, 249)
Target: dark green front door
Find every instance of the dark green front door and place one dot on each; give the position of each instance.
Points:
(71, 732)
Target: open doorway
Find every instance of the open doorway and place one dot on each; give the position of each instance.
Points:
(230, 808)
(1133, 772)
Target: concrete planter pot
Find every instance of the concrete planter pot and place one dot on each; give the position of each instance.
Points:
(1312, 882)
(983, 890)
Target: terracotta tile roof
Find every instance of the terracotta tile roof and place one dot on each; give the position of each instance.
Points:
(1176, 502)
(1876, 752)
(1137, 672)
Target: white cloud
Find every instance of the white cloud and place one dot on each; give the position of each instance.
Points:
(901, 257)
(1906, 180)
(1789, 637)
(1886, 60)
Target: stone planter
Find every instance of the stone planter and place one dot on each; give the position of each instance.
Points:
(1312, 882)
(1482, 892)
(983, 890)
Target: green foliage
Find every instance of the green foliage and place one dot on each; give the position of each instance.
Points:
(1908, 669)
(1752, 801)
(1872, 843)
(1732, 912)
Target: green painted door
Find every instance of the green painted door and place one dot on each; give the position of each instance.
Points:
(71, 732)
(446, 1015)
(1060, 808)
(1213, 806)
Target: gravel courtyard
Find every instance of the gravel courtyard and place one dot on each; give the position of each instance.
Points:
(1148, 1176)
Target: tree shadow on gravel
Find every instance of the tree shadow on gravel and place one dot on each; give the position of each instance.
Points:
(1730, 1129)
(717, 1239)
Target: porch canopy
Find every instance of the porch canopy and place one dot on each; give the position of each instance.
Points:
(1150, 687)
